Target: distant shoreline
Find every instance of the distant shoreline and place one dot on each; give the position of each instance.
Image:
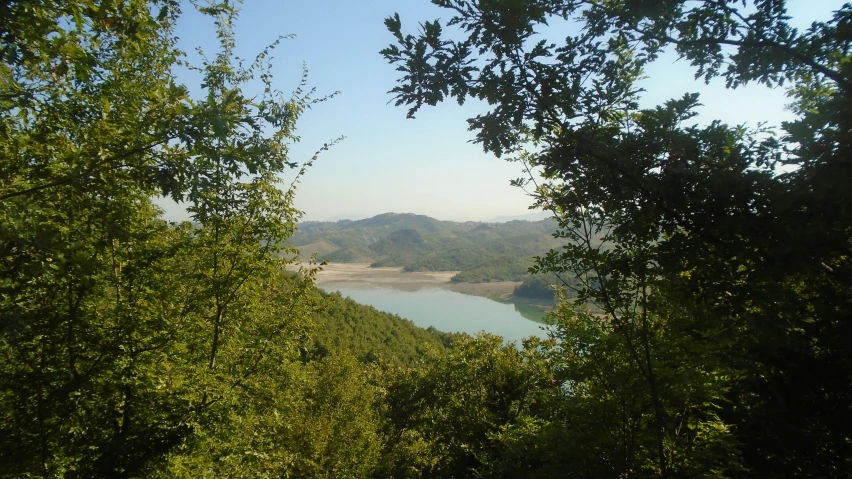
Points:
(356, 272)
(411, 281)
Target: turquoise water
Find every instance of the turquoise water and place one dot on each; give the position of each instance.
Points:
(447, 310)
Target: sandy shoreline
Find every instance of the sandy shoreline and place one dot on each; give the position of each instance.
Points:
(362, 272)
(342, 273)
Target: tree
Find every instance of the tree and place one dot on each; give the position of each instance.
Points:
(313, 420)
(724, 239)
(123, 337)
(469, 412)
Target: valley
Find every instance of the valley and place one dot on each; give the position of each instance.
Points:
(408, 252)
(486, 259)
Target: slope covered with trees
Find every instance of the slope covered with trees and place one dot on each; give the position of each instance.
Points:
(370, 335)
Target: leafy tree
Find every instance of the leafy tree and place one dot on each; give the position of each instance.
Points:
(464, 413)
(723, 246)
(124, 338)
(314, 420)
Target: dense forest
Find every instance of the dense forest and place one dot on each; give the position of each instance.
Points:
(370, 335)
(717, 257)
(481, 252)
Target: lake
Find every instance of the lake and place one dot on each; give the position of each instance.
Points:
(446, 310)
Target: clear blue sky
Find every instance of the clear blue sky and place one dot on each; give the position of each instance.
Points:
(428, 165)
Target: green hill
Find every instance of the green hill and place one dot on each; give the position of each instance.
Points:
(481, 251)
(370, 334)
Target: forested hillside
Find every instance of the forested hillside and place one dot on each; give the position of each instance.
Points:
(370, 335)
(481, 251)
(715, 258)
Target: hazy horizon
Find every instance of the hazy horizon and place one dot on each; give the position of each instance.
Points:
(531, 216)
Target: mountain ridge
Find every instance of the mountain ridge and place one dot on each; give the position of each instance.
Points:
(482, 251)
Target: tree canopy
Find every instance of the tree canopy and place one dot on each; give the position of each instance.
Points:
(724, 266)
(123, 336)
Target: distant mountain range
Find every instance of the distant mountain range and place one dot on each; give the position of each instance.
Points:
(534, 216)
(481, 251)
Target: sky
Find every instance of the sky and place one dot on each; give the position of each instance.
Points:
(427, 165)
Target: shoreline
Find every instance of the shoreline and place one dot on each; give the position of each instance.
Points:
(395, 277)
(502, 291)
(360, 272)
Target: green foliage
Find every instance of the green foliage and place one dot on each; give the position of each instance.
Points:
(342, 256)
(723, 279)
(369, 334)
(125, 339)
(459, 415)
(133, 347)
(502, 268)
(397, 241)
(610, 414)
(316, 420)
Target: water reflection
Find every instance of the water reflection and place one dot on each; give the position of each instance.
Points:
(531, 312)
